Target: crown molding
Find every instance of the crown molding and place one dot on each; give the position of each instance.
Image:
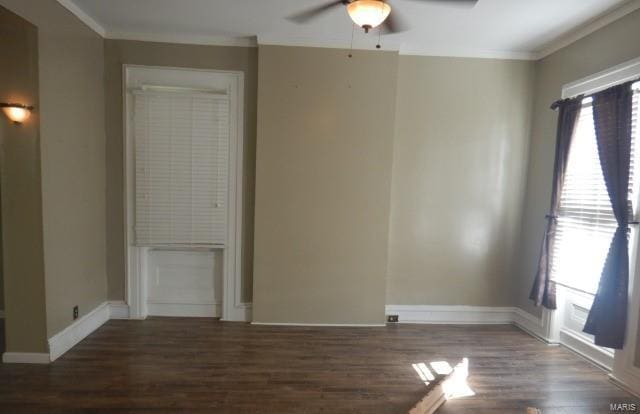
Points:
(70, 5)
(83, 16)
(402, 49)
(326, 42)
(585, 30)
(466, 53)
(248, 41)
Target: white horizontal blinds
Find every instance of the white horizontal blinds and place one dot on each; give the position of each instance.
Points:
(585, 218)
(586, 222)
(181, 156)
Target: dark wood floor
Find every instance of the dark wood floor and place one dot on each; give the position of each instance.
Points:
(201, 365)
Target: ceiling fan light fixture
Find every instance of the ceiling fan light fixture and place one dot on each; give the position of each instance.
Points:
(368, 13)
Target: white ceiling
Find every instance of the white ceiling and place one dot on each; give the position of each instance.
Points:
(494, 28)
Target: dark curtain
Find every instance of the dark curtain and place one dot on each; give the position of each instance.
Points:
(543, 291)
(607, 319)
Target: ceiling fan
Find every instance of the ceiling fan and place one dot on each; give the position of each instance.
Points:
(369, 13)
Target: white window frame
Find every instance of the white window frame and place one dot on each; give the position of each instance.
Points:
(233, 309)
(623, 369)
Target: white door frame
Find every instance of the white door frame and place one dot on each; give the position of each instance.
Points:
(233, 309)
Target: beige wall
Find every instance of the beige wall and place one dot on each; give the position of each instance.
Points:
(73, 159)
(24, 284)
(609, 46)
(325, 138)
(461, 138)
(119, 52)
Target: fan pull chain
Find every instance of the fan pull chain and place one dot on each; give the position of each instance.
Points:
(380, 26)
(353, 29)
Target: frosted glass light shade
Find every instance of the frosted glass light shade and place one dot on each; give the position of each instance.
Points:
(17, 114)
(368, 13)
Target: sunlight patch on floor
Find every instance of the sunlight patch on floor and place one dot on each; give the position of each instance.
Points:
(443, 382)
(456, 385)
(424, 373)
(441, 367)
(447, 383)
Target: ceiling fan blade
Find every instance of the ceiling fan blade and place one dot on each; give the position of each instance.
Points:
(394, 23)
(306, 15)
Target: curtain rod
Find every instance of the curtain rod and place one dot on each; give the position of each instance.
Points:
(555, 105)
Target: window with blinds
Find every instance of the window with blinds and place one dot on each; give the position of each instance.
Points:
(181, 149)
(586, 223)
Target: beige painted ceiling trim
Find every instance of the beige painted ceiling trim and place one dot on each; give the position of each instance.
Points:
(585, 30)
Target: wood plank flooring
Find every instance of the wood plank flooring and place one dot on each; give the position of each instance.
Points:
(171, 365)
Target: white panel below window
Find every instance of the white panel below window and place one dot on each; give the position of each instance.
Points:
(574, 309)
(184, 283)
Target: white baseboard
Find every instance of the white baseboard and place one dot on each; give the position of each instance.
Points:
(328, 325)
(77, 331)
(531, 324)
(470, 315)
(74, 333)
(585, 348)
(118, 310)
(189, 310)
(71, 335)
(628, 381)
(25, 358)
(436, 314)
(241, 312)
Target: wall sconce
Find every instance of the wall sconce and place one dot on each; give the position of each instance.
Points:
(17, 113)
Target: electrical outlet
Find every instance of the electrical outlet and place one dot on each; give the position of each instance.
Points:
(392, 318)
(75, 312)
